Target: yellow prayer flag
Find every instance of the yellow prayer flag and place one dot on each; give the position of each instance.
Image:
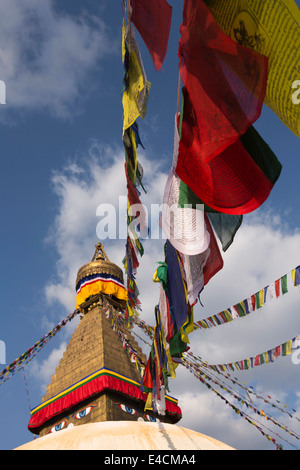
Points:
(136, 93)
(148, 405)
(187, 327)
(266, 356)
(272, 28)
(293, 272)
(288, 346)
(261, 297)
(130, 310)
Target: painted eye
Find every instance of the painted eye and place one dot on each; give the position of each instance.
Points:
(127, 409)
(58, 427)
(151, 418)
(82, 413)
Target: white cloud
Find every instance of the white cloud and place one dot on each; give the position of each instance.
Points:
(46, 58)
(80, 191)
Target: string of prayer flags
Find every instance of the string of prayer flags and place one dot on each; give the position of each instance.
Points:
(159, 366)
(252, 303)
(116, 323)
(153, 22)
(266, 357)
(19, 363)
(207, 377)
(136, 90)
(204, 373)
(253, 27)
(174, 323)
(198, 363)
(226, 82)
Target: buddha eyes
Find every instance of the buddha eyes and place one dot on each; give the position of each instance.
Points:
(58, 427)
(132, 411)
(127, 409)
(151, 418)
(78, 415)
(82, 413)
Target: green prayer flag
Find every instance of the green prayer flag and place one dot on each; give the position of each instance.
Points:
(284, 287)
(241, 310)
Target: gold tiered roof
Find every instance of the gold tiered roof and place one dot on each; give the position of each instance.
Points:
(99, 264)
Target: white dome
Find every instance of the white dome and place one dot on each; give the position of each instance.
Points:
(125, 435)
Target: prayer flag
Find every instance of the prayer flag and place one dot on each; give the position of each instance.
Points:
(226, 82)
(152, 19)
(136, 86)
(193, 272)
(287, 348)
(296, 276)
(277, 287)
(214, 261)
(246, 306)
(184, 226)
(253, 302)
(296, 342)
(271, 27)
(225, 225)
(237, 180)
(284, 288)
(241, 309)
(257, 360)
(260, 298)
(177, 291)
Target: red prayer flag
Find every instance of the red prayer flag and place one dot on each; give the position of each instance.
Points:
(226, 81)
(277, 287)
(253, 302)
(147, 379)
(230, 182)
(257, 360)
(277, 351)
(152, 19)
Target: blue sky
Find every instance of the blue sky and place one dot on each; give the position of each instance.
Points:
(62, 157)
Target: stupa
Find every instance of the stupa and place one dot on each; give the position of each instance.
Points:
(94, 400)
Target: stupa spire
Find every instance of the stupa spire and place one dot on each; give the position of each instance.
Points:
(99, 253)
(96, 379)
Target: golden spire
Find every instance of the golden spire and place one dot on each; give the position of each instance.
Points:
(100, 253)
